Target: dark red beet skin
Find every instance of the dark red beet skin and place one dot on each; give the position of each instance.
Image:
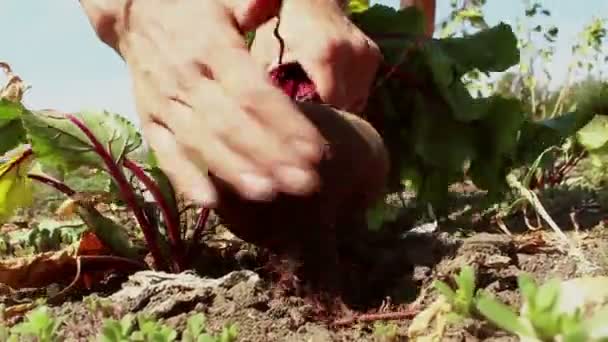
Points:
(294, 81)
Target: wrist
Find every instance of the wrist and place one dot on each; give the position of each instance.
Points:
(105, 17)
(316, 6)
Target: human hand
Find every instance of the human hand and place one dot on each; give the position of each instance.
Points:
(340, 59)
(205, 104)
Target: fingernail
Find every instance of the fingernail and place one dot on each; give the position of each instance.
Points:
(297, 179)
(257, 188)
(307, 149)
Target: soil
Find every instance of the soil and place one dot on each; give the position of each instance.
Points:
(233, 285)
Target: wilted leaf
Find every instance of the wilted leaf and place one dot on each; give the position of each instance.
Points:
(91, 244)
(38, 270)
(15, 186)
(14, 88)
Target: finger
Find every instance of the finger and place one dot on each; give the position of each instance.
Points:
(194, 133)
(367, 54)
(224, 118)
(250, 14)
(265, 49)
(259, 97)
(326, 71)
(184, 175)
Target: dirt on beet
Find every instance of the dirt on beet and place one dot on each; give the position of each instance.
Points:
(386, 280)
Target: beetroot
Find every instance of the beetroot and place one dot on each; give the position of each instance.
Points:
(294, 81)
(316, 232)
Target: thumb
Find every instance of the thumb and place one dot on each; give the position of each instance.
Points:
(250, 14)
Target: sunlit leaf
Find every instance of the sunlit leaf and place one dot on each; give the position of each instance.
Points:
(15, 186)
(444, 289)
(502, 315)
(59, 143)
(594, 135)
(357, 6)
(11, 127)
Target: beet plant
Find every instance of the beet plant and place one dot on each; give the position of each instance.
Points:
(436, 132)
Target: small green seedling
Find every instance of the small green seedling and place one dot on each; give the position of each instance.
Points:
(152, 330)
(540, 318)
(386, 331)
(462, 299)
(39, 324)
(133, 328)
(101, 306)
(196, 331)
(136, 328)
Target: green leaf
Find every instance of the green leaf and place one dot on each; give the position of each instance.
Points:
(381, 19)
(195, 327)
(547, 295)
(111, 233)
(10, 111)
(13, 134)
(497, 143)
(527, 287)
(40, 324)
(466, 281)
(229, 334)
(11, 127)
(441, 142)
(15, 186)
(59, 143)
(594, 135)
(537, 136)
(357, 6)
(502, 316)
(491, 50)
(444, 289)
(546, 324)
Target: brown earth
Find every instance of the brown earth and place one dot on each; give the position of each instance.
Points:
(396, 280)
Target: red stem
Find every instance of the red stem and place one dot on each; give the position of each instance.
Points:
(28, 152)
(201, 223)
(58, 185)
(127, 192)
(170, 216)
(199, 228)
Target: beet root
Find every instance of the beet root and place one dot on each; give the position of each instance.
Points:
(317, 231)
(353, 177)
(294, 82)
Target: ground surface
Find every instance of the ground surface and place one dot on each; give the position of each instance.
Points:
(245, 297)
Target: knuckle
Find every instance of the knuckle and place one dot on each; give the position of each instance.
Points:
(250, 98)
(369, 49)
(224, 129)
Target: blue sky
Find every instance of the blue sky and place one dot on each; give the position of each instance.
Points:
(51, 45)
